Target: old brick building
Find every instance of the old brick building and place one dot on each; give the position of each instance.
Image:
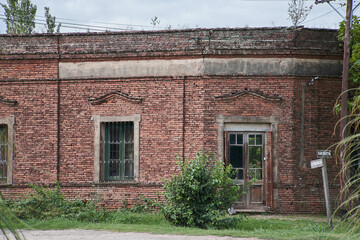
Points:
(106, 114)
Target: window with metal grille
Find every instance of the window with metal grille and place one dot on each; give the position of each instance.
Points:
(118, 151)
(3, 152)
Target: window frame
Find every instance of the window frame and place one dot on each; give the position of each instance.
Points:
(98, 124)
(9, 121)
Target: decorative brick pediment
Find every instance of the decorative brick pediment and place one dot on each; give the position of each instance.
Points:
(7, 101)
(106, 97)
(245, 92)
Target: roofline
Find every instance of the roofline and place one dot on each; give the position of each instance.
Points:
(300, 28)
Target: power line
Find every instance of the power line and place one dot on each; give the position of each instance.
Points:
(77, 25)
(71, 23)
(92, 28)
(108, 23)
(321, 15)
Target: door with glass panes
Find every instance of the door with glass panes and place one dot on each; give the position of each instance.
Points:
(246, 155)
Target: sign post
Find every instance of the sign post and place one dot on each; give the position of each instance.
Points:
(323, 154)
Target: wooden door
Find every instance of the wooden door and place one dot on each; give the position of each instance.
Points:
(246, 154)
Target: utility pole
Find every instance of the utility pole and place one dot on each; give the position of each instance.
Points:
(344, 85)
(345, 80)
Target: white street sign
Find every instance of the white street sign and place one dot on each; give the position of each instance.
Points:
(323, 153)
(316, 163)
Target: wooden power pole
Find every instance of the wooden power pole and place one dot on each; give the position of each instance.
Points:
(345, 81)
(344, 84)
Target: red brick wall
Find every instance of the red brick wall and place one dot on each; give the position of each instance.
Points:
(29, 75)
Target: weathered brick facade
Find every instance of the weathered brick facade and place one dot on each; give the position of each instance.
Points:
(191, 83)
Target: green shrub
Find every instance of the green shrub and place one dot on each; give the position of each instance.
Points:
(144, 204)
(200, 192)
(8, 222)
(49, 203)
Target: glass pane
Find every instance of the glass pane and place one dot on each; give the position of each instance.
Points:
(3, 152)
(3, 134)
(252, 174)
(251, 139)
(233, 173)
(129, 151)
(3, 171)
(112, 132)
(241, 174)
(114, 170)
(114, 151)
(237, 173)
(129, 132)
(255, 154)
(258, 139)
(3, 155)
(129, 169)
(232, 139)
(236, 156)
(259, 174)
(239, 139)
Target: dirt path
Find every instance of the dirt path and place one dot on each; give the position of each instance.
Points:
(78, 234)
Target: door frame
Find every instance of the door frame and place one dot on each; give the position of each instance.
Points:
(256, 124)
(246, 201)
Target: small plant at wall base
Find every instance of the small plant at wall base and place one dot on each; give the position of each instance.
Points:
(144, 204)
(49, 203)
(7, 222)
(200, 193)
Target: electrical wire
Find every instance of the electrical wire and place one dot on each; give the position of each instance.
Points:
(69, 26)
(78, 25)
(108, 23)
(70, 23)
(321, 15)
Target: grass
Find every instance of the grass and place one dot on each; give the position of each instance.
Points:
(46, 208)
(289, 227)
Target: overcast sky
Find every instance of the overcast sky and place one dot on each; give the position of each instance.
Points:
(85, 15)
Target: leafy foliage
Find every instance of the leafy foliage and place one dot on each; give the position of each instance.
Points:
(200, 192)
(298, 12)
(351, 173)
(350, 145)
(354, 71)
(7, 220)
(144, 204)
(51, 22)
(20, 16)
(47, 203)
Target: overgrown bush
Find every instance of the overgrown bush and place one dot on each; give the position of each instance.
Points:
(197, 196)
(7, 223)
(48, 203)
(144, 204)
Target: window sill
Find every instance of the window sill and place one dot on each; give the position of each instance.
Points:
(117, 183)
(4, 185)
